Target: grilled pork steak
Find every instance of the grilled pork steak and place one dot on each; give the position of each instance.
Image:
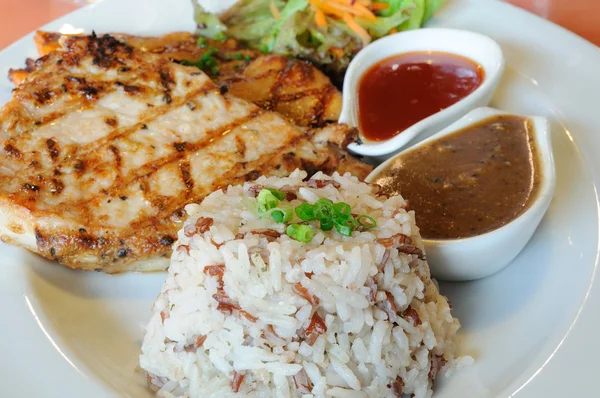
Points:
(294, 88)
(102, 146)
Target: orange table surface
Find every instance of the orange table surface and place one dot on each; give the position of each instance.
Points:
(18, 17)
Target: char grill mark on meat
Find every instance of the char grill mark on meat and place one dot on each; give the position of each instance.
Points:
(65, 169)
(294, 88)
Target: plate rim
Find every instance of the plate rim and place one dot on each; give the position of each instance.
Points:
(585, 315)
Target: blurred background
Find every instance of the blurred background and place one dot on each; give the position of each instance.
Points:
(18, 17)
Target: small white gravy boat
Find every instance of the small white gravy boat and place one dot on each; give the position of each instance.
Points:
(479, 48)
(482, 255)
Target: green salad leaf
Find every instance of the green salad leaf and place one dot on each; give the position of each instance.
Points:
(251, 20)
(288, 11)
(416, 16)
(288, 27)
(209, 25)
(431, 6)
(396, 15)
(393, 7)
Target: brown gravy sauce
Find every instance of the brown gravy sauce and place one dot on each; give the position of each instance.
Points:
(470, 182)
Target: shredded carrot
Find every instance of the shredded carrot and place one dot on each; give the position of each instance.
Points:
(327, 8)
(359, 30)
(367, 14)
(349, 11)
(354, 8)
(334, 7)
(274, 10)
(337, 52)
(393, 30)
(361, 20)
(320, 19)
(337, 8)
(379, 6)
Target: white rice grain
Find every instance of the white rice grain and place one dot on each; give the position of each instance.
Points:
(345, 372)
(275, 266)
(376, 342)
(355, 263)
(246, 315)
(282, 388)
(281, 369)
(339, 392)
(318, 355)
(360, 351)
(348, 296)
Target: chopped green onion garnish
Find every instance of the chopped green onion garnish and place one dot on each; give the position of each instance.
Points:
(343, 229)
(323, 209)
(201, 42)
(302, 233)
(329, 215)
(207, 62)
(276, 192)
(266, 201)
(291, 230)
(326, 225)
(346, 226)
(305, 212)
(220, 36)
(282, 215)
(268, 47)
(324, 201)
(342, 209)
(369, 223)
(349, 222)
(278, 216)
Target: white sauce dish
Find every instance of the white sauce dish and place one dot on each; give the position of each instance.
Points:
(481, 255)
(479, 48)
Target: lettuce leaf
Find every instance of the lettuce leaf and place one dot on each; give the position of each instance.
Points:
(401, 11)
(250, 20)
(295, 32)
(416, 16)
(301, 38)
(403, 15)
(393, 7)
(431, 6)
(209, 25)
(289, 10)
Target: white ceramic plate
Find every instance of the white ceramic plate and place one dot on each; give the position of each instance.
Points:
(532, 327)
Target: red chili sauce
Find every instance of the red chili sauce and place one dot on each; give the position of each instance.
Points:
(401, 90)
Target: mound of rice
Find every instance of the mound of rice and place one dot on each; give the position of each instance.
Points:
(247, 309)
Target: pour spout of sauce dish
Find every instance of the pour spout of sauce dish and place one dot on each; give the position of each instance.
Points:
(479, 189)
(412, 84)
